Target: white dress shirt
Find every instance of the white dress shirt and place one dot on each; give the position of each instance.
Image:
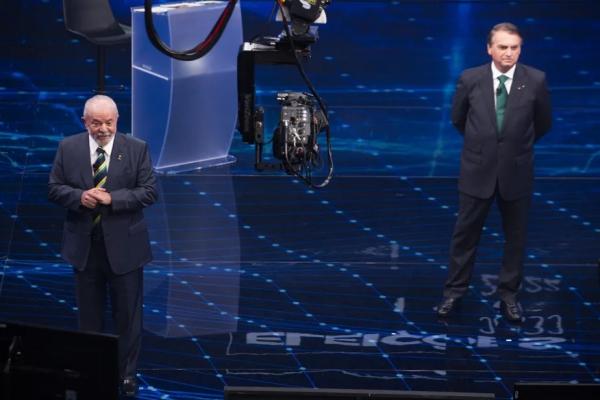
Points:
(107, 149)
(496, 73)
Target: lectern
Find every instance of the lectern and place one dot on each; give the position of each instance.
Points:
(185, 110)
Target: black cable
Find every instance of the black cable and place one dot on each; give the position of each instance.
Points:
(312, 89)
(200, 49)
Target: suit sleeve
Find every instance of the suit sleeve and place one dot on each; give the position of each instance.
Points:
(58, 191)
(143, 194)
(543, 110)
(460, 105)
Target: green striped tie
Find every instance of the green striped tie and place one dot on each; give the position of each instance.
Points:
(100, 171)
(501, 97)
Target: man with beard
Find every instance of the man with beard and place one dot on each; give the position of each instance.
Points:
(104, 179)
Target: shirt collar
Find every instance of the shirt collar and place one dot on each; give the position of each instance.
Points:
(496, 73)
(107, 148)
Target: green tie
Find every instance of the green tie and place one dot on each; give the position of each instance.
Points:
(501, 97)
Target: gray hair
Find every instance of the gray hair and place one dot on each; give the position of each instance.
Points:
(99, 100)
(506, 27)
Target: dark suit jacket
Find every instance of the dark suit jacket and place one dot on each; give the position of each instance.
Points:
(485, 159)
(132, 185)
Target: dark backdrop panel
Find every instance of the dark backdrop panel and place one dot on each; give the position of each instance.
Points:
(386, 68)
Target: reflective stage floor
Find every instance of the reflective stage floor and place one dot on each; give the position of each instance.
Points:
(259, 281)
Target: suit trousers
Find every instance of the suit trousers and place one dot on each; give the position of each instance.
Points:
(93, 285)
(465, 239)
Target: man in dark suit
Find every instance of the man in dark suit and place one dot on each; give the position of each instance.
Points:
(501, 109)
(104, 179)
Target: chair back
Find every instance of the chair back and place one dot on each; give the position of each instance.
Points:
(90, 18)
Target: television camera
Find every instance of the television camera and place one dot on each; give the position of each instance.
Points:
(303, 116)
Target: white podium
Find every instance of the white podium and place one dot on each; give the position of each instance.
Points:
(185, 110)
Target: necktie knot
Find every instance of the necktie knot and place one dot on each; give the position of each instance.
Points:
(502, 79)
(100, 150)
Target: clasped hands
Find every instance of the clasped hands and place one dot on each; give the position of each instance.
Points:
(92, 197)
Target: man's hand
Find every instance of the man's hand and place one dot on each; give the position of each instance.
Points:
(88, 200)
(101, 196)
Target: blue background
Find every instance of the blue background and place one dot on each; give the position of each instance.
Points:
(385, 68)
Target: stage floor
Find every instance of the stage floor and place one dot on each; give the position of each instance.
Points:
(260, 281)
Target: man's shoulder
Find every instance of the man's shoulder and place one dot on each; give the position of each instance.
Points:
(532, 71)
(129, 140)
(74, 139)
(475, 71)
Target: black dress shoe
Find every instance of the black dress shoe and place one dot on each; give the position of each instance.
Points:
(129, 386)
(511, 311)
(447, 305)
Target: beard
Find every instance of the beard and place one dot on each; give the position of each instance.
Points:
(102, 138)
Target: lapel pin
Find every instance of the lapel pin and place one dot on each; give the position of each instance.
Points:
(521, 87)
(119, 157)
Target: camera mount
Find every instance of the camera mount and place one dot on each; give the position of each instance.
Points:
(295, 138)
